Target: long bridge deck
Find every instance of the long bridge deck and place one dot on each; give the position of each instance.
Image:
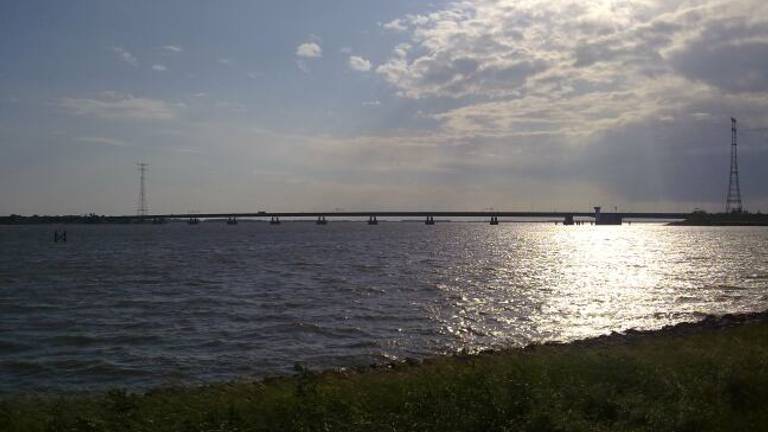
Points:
(420, 213)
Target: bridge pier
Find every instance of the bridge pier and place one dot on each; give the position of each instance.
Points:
(232, 220)
(274, 220)
(568, 220)
(607, 218)
(321, 220)
(193, 221)
(372, 220)
(429, 221)
(494, 220)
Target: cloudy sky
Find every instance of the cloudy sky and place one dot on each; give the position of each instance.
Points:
(396, 104)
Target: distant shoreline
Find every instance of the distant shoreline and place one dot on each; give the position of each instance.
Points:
(723, 219)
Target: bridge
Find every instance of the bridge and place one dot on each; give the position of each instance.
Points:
(567, 217)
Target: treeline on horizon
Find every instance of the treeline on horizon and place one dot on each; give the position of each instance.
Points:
(91, 218)
(742, 218)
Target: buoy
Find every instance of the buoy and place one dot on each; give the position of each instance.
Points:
(59, 236)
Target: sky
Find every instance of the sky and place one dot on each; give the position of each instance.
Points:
(381, 105)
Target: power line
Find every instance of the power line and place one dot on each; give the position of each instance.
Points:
(142, 209)
(733, 201)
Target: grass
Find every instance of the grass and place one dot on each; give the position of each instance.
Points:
(708, 380)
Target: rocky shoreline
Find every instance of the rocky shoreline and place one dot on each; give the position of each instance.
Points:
(687, 328)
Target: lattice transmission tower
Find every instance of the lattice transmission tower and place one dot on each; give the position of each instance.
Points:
(142, 209)
(733, 201)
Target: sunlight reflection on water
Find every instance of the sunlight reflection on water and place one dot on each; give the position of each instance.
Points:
(549, 283)
(141, 305)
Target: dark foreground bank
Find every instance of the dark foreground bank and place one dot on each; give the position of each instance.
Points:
(711, 375)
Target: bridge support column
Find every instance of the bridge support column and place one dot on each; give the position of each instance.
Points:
(607, 218)
(321, 220)
(193, 221)
(274, 220)
(372, 220)
(494, 220)
(429, 221)
(232, 220)
(568, 220)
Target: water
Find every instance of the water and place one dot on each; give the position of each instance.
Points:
(141, 306)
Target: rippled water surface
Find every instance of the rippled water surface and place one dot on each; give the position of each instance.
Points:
(141, 306)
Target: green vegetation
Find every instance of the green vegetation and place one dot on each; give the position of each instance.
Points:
(89, 219)
(692, 378)
(702, 218)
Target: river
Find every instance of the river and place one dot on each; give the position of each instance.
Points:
(138, 306)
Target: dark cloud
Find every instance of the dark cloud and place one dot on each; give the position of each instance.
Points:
(729, 54)
(510, 75)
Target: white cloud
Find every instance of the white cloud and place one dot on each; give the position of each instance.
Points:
(575, 68)
(396, 68)
(405, 23)
(172, 48)
(345, 50)
(309, 50)
(126, 56)
(359, 64)
(395, 25)
(159, 68)
(224, 61)
(119, 106)
(372, 103)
